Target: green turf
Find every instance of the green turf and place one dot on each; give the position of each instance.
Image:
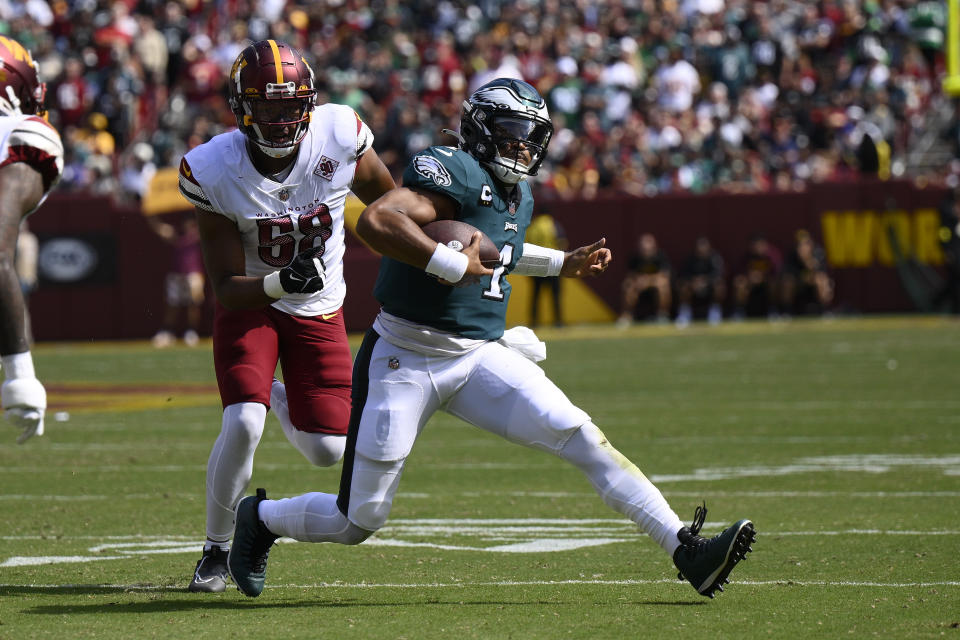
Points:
(840, 439)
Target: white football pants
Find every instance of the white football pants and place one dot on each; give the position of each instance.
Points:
(493, 388)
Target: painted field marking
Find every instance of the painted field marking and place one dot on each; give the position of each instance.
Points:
(90, 397)
(865, 463)
(947, 464)
(491, 535)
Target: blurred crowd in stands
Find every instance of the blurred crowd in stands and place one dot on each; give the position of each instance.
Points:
(648, 96)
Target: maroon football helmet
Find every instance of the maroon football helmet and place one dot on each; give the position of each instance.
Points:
(21, 91)
(272, 94)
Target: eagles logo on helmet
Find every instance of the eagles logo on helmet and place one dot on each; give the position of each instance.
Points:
(21, 92)
(505, 125)
(272, 95)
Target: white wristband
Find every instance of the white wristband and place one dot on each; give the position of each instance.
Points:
(19, 365)
(272, 286)
(447, 263)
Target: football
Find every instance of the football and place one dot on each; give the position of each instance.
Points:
(456, 235)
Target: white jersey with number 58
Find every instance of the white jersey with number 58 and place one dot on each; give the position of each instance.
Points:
(278, 220)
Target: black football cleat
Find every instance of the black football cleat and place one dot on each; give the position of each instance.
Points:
(247, 560)
(706, 563)
(210, 576)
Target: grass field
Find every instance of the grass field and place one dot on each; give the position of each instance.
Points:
(840, 439)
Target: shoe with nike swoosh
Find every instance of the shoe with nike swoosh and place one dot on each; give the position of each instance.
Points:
(210, 576)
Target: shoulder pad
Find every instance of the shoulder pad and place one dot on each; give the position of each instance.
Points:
(442, 166)
(191, 189)
(344, 125)
(35, 142)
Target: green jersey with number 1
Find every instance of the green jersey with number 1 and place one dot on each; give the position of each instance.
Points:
(474, 311)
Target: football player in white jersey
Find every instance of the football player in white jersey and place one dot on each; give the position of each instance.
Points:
(269, 200)
(31, 161)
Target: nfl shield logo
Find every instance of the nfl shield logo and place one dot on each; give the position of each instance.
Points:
(284, 195)
(326, 167)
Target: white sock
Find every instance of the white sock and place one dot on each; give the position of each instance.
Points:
(231, 465)
(320, 449)
(623, 486)
(312, 517)
(223, 544)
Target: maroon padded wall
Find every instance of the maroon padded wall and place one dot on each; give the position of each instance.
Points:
(124, 298)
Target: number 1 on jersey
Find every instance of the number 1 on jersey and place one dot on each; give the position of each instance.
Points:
(495, 292)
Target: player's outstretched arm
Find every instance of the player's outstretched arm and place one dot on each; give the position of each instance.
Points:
(591, 260)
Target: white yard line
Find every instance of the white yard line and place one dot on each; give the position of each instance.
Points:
(870, 464)
(473, 527)
(487, 535)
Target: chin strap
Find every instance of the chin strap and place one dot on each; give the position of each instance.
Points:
(456, 135)
(277, 152)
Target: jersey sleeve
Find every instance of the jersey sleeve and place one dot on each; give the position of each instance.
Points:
(191, 189)
(348, 129)
(439, 169)
(34, 142)
(364, 136)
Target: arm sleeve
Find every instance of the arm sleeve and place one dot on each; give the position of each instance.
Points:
(539, 261)
(364, 136)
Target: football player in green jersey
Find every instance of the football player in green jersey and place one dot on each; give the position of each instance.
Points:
(439, 344)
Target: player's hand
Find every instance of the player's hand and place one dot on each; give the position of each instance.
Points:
(24, 404)
(587, 261)
(475, 269)
(304, 274)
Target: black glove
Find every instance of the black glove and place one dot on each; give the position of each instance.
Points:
(304, 274)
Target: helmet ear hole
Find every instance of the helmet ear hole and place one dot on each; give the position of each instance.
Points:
(474, 139)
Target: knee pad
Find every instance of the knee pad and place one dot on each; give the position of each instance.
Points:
(321, 449)
(354, 534)
(372, 488)
(244, 422)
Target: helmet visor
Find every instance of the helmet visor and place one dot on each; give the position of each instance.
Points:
(528, 131)
(520, 139)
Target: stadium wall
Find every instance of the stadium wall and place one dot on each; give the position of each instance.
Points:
(102, 269)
